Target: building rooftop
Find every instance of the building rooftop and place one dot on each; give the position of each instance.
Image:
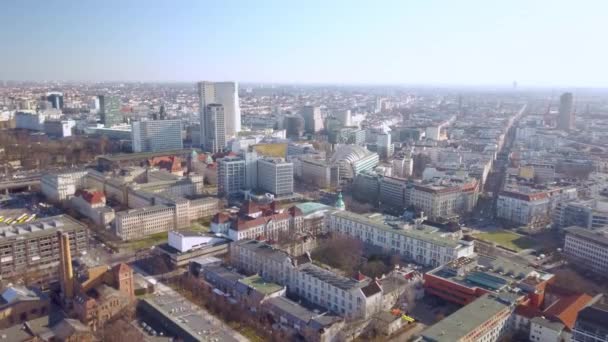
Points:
(331, 278)
(425, 235)
(44, 226)
(468, 318)
(256, 282)
(311, 207)
(598, 237)
(142, 155)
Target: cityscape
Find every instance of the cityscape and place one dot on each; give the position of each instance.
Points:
(215, 208)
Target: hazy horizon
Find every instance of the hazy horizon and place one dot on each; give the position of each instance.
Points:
(540, 44)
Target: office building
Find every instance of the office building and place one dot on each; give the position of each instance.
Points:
(156, 135)
(56, 99)
(294, 125)
(313, 121)
(230, 176)
(421, 244)
(587, 248)
(318, 172)
(392, 193)
(141, 222)
(591, 324)
(59, 128)
(251, 169)
(353, 159)
(33, 246)
(214, 128)
(62, 186)
(344, 116)
(226, 94)
(384, 145)
(590, 214)
(110, 109)
(566, 112)
(275, 175)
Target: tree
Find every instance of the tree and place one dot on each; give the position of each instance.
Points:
(340, 251)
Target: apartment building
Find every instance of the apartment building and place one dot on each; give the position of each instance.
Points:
(420, 243)
(531, 206)
(587, 248)
(445, 197)
(33, 246)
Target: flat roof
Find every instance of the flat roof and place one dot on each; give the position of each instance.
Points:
(143, 155)
(42, 226)
(311, 207)
(464, 321)
(424, 235)
(598, 237)
(256, 282)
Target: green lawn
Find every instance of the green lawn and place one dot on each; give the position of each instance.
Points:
(507, 239)
(147, 242)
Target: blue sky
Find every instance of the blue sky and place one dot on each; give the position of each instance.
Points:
(460, 42)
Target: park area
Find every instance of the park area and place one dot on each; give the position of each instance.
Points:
(507, 239)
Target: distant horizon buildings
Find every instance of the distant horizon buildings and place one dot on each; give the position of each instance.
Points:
(313, 121)
(566, 112)
(226, 94)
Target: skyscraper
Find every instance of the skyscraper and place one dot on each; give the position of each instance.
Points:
(313, 121)
(156, 135)
(226, 94)
(109, 107)
(214, 128)
(566, 112)
(56, 99)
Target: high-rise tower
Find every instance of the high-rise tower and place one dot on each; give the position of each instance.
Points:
(566, 112)
(226, 94)
(213, 128)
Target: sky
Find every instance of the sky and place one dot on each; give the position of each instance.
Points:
(414, 42)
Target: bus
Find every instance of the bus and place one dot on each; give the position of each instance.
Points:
(31, 218)
(20, 217)
(23, 219)
(1, 219)
(8, 221)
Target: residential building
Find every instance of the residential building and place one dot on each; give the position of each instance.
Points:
(485, 319)
(313, 121)
(530, 206)
(445, 197)
(275, 175)
(225, 94)
(156, 135)
(587, 248)
(421, 244)
(110, 110)
(230, 176)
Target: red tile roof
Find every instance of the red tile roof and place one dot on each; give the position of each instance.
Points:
(566, 308)
(91, 196)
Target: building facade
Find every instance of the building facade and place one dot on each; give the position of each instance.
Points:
(587, 248)
(156, 135)
(230, 176)
(226, 94)
(214, 128)
(275, 175)
(110, 110)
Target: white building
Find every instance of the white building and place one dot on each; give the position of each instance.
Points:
(587, 248)
(423, 247)
(544, 330)
(156, 135)
(31, 121)
(141, 222)
(61, 186)
(230, 175)
(226, 94)
(185, 242)
(275, 175)
(384, 145)
(353, 159)
(313, 121)
(357, 297)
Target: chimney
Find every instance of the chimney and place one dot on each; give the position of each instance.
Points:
(65, 266)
